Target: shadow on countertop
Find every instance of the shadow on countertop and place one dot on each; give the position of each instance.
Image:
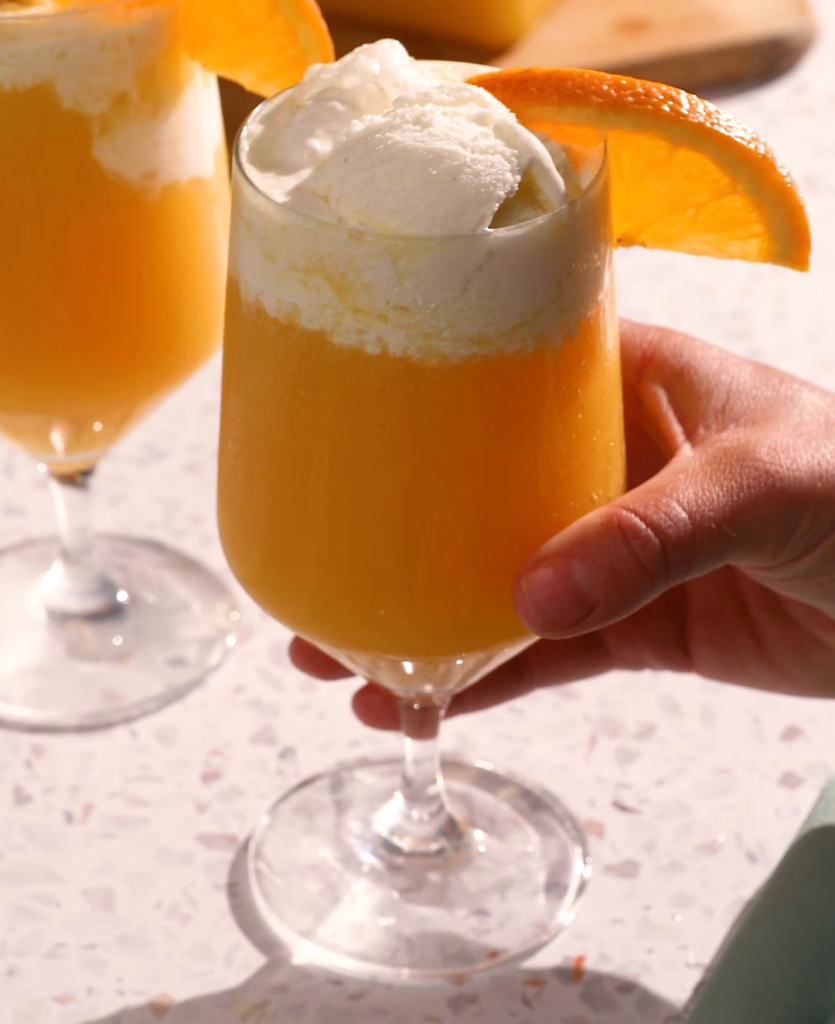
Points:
(282, 992)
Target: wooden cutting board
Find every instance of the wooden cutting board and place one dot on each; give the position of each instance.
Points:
(698, 45)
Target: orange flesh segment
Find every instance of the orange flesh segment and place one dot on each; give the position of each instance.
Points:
(263, 45)
(685, 175)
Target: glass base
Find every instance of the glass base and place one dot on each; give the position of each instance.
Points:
(174, 624)
(328, 888)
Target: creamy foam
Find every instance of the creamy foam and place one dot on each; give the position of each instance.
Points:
(347, 181)
(379, 141)
(100, 64)
(178, 145)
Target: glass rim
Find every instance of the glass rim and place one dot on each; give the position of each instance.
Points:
(344, 230)
(75, 12)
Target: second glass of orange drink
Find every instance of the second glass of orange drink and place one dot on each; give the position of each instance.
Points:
(114, 203)
(421, 385)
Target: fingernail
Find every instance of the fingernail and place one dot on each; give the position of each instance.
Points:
(556, 596)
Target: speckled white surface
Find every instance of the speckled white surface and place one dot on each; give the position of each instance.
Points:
(120, 865)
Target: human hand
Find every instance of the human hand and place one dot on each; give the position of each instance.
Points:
(720, 559)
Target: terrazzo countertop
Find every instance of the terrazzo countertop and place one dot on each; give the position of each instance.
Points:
(121, 883)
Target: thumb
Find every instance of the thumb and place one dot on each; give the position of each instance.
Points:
(709, 506)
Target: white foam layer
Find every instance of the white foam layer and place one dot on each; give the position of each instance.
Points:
(176, 146)
(100, 64)
(425, 298)
(416, 295)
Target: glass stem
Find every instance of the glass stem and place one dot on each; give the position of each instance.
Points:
(418, 819)
(75, 584)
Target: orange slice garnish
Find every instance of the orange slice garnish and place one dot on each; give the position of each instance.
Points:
(684, 174)
(263, 45)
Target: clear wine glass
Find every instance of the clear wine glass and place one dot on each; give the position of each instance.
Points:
(404, 421)
(114, 206)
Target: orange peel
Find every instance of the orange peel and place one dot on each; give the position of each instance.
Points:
(685, 175)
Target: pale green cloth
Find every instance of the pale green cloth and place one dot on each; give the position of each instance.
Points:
(778, 964)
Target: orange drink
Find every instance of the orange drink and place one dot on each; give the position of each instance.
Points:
(384, 503)
(421, 385)
(407, 418)
(114, 205)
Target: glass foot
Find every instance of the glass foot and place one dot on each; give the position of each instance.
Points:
(328, 888)
(174, 623)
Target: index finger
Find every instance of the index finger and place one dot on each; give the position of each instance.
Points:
(308, 658)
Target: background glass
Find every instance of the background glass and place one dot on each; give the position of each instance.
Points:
(379, 503)
(114, 206)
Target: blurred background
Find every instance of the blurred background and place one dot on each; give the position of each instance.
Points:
(704, 46)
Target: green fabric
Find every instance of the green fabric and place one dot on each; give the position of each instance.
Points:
(778, 964)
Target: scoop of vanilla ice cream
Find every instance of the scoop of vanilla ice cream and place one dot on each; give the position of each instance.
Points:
(377, 141)
(438, 162)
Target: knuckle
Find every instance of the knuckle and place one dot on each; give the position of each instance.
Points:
(658, 537)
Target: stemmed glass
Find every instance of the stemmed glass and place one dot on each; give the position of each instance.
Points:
(405, 420)
(114, 212)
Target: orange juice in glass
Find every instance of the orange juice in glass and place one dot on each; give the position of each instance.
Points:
(380, 501)
(421, 386)
(114, 206)
(114, 212)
